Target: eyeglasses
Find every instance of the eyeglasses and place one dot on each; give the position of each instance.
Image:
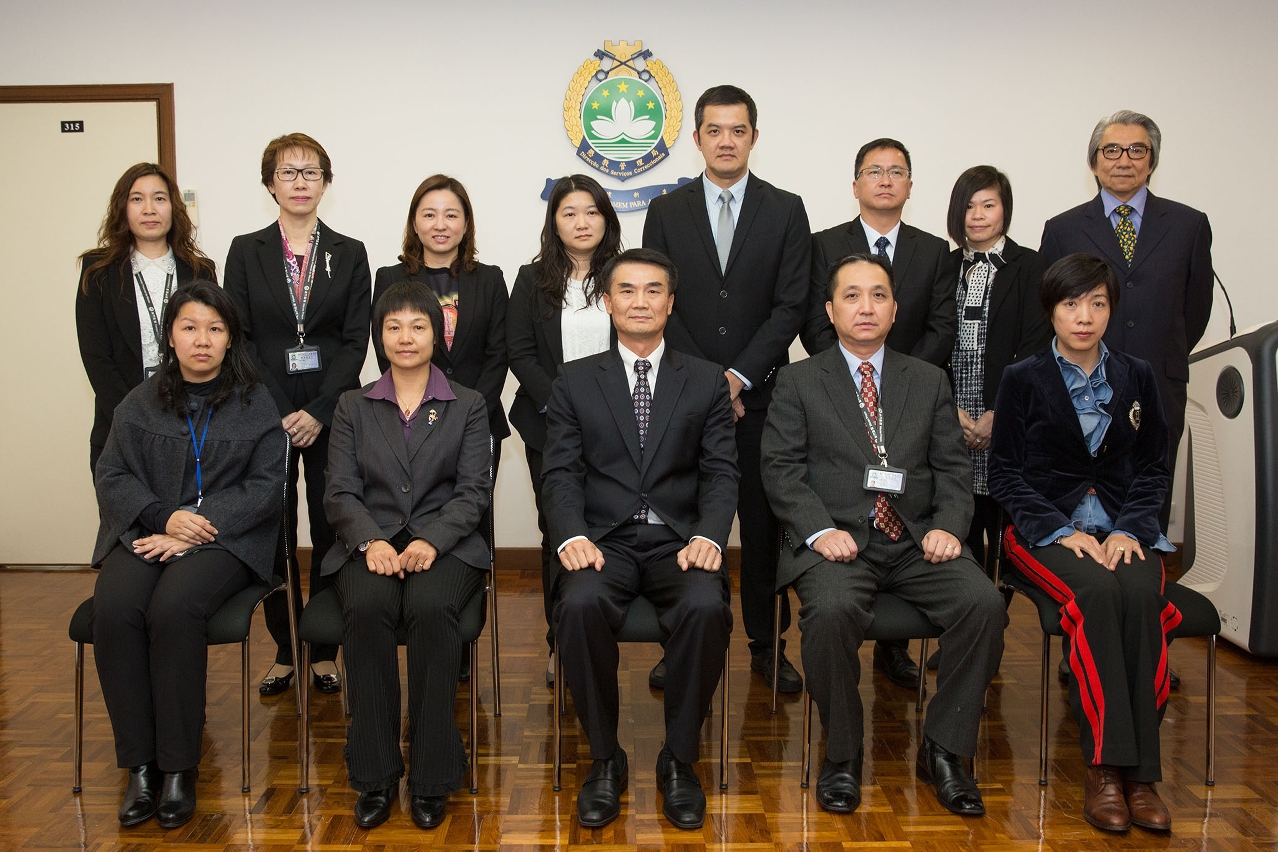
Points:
(876, 173)
(287, 174)
(1115, 151)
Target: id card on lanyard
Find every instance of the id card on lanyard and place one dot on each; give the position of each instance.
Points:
(148, 372)
(301, 277)
(880, 477)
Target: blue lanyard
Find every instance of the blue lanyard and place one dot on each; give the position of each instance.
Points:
(199, 448)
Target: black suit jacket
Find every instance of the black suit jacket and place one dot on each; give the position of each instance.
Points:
(595, 476)
(106, 323)
(1166, 294)
(336, 318)
(1040, 465)
(1017, 326)
(478, 357)
(746, 318)
(815, 449)
(926, 318)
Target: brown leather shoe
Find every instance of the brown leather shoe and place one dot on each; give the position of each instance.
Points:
(1146, 808)
(1104, 805)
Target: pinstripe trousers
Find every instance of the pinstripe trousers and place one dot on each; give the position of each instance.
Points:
(424, 606)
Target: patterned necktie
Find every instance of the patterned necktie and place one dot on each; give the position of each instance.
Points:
(886, 520)
(880, 247)
(643, 413)
(1126, 232)
(723, 239)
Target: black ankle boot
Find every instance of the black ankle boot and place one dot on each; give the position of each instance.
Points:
(177, 799)
(140, 798)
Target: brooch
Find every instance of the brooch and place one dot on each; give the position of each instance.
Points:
(1133, 415)
(431, 417)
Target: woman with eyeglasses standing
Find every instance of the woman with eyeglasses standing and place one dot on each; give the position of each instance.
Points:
(146, 248)
(302, 290)
(556, 315)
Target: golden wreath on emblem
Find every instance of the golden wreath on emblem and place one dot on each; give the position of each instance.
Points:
(1133, 415)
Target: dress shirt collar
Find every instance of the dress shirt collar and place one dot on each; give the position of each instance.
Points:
(629, 358)
(436, 387)
(1137, 202)
(854, 365)
(167, 264)
(712, 191)
(872, 237)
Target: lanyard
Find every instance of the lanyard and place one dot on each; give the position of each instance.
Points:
(874, 426)
(199, 448)
(150, 307)
(295, 273)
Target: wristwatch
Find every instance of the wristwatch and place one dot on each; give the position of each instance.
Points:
(362, 547)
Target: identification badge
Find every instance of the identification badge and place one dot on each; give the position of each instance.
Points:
(889, 480)
(302, 359)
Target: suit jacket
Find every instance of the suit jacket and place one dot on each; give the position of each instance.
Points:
(478, 357)
(595, 477)
(815, 449)
(1040, 465)
(926, 318)
(535, 346)
(1017, 326)
(436, 485)
(1166, 293)
(106, 323)
(336, 318)
(746, 318)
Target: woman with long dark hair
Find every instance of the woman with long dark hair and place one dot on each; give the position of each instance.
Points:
(146, 248)
(556, 315)
(189, 491)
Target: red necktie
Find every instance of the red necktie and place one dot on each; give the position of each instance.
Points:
(886, 520)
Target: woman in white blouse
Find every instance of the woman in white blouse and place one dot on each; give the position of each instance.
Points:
(555, 315)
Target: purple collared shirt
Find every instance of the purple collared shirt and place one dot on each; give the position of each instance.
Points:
(436, 389)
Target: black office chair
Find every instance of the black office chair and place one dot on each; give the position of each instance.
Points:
(229, 625)
(1198, 619)
(641, 625)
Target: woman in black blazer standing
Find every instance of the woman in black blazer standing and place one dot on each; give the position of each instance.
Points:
(1000, 323)
(146, 248)
(556, 315)
(302, 291)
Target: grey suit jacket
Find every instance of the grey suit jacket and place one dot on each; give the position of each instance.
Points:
(815, 450)
(435, 485)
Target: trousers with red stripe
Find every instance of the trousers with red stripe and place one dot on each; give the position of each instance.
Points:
(1119, 625)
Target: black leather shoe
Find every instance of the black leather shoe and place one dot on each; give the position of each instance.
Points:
(895, 660)
(1173, 679)
(275, 685)
(955, 788)
(1063, 673)
(373, 808)
(599, 800)
(428, 811)
(657, 677)
(177, 798)
(790, 680)
(683, 800)
(839, 785)
(934, 660)
(141, 796)
(327, 683)
(463, 671)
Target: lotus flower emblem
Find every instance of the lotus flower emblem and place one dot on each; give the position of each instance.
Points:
(623, 123)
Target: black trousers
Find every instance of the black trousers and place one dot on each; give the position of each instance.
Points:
(1119, 625)
(696, 621)
(760, 539)
(426, 606)
(985, 525)
(150, 645)
(834, 613)
(550, 567)
(322, 538)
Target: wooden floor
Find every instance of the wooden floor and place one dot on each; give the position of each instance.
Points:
(764, 807)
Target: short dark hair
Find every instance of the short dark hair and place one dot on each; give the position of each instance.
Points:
(407, 295)
(725, 96)
(859, 257)
(280, 144)
(1075, 275)
(968, 184)
(884, 142)
(639, 255)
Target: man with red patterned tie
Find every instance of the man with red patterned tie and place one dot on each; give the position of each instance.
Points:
(865, 466)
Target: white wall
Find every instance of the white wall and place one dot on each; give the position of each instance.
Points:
(399, 90)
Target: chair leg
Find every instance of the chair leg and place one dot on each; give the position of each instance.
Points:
(723, 730)
(346, 688)
(496, 642)
(918, 706)
(557, 710)
(1042, 712)
(244, 716)
(474, 713)
(79, 718)
(807, 739)
(776, 646)
(304, 769)
(1211, 711)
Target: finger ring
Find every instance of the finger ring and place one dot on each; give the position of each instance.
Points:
(420, 564)
(949, 547)
(1120, 549)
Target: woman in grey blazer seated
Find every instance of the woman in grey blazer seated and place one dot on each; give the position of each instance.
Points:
(408, 481)
(190, 491)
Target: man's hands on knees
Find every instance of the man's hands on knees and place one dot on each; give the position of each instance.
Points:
(941, 546)
(836, 546)
(700, 553)
(581, 553)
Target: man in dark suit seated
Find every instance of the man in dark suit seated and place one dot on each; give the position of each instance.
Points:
(640, 482)
(864, 463)
(926, 316)
(1161, 252)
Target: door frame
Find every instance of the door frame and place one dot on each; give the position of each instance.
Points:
(161, 94)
